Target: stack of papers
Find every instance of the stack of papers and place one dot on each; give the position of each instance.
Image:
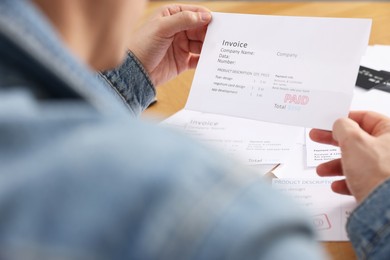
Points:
(260, 81)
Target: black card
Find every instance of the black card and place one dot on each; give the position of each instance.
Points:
(369, 78)
(385, 86)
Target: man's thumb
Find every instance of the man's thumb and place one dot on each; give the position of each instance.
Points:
(346, 129)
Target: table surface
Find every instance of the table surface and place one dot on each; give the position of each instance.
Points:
(172, 96)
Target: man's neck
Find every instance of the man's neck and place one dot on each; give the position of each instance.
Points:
(70, 20)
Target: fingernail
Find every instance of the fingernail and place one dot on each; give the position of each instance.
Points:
(205, 16)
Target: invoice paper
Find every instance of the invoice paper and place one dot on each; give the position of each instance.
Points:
(317, 153)
(295, 167)
(252, 142)
(291, 70)
(329, 211)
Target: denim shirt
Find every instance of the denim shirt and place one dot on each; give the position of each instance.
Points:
(81, 179)
(368, 226)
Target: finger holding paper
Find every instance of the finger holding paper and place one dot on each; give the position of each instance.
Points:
(171, 41)
(322, 136)
(364, 140)
(332, 169)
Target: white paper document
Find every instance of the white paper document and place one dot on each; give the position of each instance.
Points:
(317, 153)
(292, 70)
(377, 57)
(252, 142)
(373, 100)
(295, 167)
(329, 211)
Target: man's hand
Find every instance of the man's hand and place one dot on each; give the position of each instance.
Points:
(171, 41)
(364, 140)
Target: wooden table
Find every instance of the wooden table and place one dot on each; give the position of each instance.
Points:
(173, 95)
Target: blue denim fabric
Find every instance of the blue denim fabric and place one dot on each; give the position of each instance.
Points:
(80, 180)
(369, 225)
(86, 187)
(132, 83)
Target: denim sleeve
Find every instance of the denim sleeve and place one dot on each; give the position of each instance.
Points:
(132, 83)
(369, 225)
(75, 185)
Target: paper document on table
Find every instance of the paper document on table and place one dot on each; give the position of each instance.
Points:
(373, 100)
(295, 167)
(317, 153)
(252, 142)
(329, 211)
(291, 70)
(377, 57)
